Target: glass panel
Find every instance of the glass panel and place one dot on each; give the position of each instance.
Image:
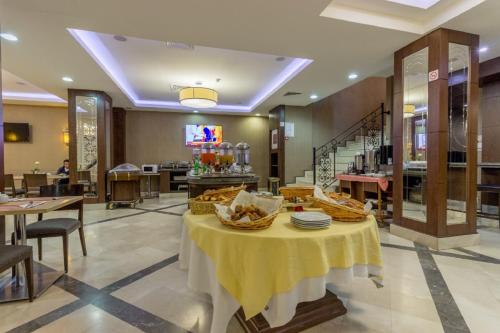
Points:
(86, 139)
(458, 66)
(415, 98)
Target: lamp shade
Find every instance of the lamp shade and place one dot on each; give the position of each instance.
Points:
(66, 136)
(408, 110)
(198, 97)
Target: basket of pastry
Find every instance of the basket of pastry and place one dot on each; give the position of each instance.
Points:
(291, 193)
(229, 192)
(341, 208)
(204, 203)
(249, 212)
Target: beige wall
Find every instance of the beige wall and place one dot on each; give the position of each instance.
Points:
(46, 146)
(298, 150)
(153, 137)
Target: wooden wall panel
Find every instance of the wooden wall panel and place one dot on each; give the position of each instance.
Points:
(118, 137)
(2, 219)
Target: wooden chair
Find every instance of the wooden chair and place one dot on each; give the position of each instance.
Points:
(10, 186)
(59, 227)
(32, 183)
(10, 255)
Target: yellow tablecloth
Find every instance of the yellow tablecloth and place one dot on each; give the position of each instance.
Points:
(254, 265)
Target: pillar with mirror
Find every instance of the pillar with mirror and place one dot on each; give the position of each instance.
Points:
(89, 119)
(435, 139)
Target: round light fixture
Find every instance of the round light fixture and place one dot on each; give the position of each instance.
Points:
(483, 49)
(120, 38)
(280, 59)
(313, 96)
(195, 111)
(353, 76)
(9, 37)
(408, 110)
(198, 97)
(67, 79)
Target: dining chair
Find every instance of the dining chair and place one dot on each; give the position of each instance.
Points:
(10, 186)
(32, 183)
(11, 255)
(84, 177)
(59, 227)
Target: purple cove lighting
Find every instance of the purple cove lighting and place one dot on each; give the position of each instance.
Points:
(37, 97)
(94, 46)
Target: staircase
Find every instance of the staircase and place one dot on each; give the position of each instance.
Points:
(334, 156)
(344, 155)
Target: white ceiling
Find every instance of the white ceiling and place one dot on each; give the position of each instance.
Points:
(150, 73)
(46, 51)
(15, 89)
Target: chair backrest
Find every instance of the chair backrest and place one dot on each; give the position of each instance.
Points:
(83, 175)
(35, 179)
(8, 181)
(61, 190)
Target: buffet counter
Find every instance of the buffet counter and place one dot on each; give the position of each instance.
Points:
(200, 183)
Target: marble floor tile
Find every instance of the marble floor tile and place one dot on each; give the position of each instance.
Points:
(88, 319)
(18, 313)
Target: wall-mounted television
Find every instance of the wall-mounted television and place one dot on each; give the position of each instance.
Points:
(16, 132)
(196, 135)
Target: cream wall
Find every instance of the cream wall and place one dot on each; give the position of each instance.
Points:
(153, 137)
(298, 149)
(46, 146)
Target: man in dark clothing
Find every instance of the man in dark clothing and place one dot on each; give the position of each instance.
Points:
(64, 171)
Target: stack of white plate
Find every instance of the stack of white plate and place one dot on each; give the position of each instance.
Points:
(311, 220)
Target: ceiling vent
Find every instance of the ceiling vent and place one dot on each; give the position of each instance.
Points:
(292, 93)
(180, 46)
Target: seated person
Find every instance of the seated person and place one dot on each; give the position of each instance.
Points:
(64, 170)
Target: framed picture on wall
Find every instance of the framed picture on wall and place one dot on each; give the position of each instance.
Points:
(274, 139)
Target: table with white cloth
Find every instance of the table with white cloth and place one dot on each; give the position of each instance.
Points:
(269, 272)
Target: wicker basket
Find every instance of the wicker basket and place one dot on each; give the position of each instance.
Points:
(290, 192)
(205, 207)
(340, 212)
(259, 224)
(228, 192)
(353, 203)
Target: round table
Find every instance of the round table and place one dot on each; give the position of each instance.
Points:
(270, 271)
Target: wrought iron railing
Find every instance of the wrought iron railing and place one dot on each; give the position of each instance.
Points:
(370, 127)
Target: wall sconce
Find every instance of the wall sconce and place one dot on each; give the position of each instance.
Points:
(66, 136)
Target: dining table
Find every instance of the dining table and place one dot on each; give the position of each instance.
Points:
(277, 278)
(15, 288)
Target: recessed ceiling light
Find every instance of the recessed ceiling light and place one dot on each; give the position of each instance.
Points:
(280, 59)
(9, 37)
(196, 111)
(120, 38)
(483, 49)
(353, 76)
(67, 79)
(21, 83)
(198, 83)
(313, 96)
(257, 114)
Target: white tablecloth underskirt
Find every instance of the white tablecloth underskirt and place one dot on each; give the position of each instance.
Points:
(281, 307)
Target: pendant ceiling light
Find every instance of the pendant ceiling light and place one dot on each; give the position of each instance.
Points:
(198, 97)
(408, 110)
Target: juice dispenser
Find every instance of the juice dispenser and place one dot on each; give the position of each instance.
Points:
(226, 154)
(208, 153)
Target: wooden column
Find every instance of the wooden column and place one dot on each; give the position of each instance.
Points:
(2, 152)
(436, 191)
(104, 109)
(118, 137)
(277, 156)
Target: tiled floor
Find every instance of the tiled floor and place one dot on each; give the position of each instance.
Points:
(131, 282)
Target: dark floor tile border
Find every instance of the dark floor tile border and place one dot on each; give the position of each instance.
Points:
(49, 317)
(448, 311)
(478, 255)
(101, 298)
(139, 275)
(115, 218)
